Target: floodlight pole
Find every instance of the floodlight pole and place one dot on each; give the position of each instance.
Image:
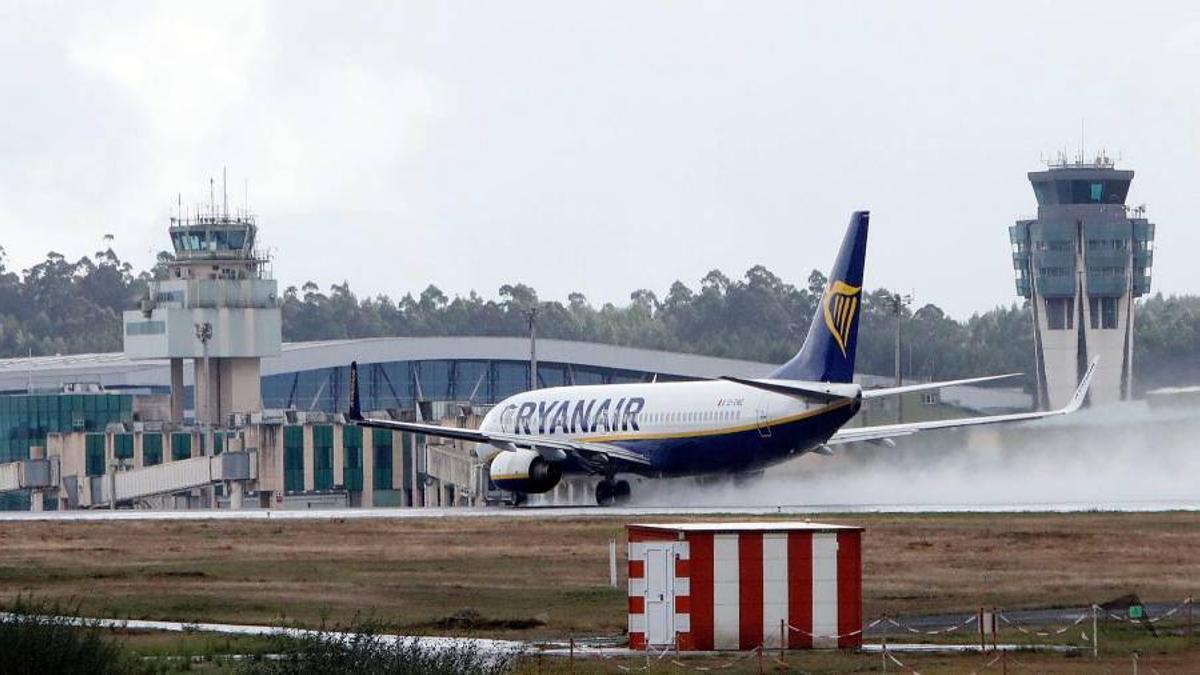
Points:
(531, 315)
(899, 302)
(204, 333)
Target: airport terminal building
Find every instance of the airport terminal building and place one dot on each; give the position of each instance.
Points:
(100, 414)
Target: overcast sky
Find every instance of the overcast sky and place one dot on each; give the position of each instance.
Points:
(595, 147)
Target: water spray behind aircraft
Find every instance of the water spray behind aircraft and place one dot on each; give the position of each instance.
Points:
(1121, 456)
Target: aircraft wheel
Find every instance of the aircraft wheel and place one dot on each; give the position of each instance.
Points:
(519, 498)
(606, 493)
(622, 492)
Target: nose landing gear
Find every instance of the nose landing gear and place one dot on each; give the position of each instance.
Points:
(609, 492)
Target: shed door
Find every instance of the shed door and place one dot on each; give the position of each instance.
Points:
(825, 588)
(660, 594)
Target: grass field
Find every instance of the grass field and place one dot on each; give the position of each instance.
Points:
(548, 578)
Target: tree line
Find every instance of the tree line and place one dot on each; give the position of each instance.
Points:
(62, 307)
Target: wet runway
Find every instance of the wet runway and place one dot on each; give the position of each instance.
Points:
(596, 511)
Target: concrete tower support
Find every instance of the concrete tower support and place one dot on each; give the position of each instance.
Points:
(1082, 262)
(176, 390)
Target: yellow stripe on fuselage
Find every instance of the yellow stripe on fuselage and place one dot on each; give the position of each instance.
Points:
(717, 432)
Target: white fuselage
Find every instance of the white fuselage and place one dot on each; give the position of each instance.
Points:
(632, 413)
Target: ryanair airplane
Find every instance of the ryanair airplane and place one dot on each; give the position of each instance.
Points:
(724, 426)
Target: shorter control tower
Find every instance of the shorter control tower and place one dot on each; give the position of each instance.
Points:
(1081, 263)
(216, 308)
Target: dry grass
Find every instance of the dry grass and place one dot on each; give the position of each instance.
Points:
(412, 572)
(959, 562)
(843, 662)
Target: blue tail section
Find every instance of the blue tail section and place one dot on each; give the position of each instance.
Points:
(828, 351)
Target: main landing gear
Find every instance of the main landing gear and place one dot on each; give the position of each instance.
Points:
(609, 492)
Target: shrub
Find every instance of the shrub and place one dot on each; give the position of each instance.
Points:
(362, 649)
(37, 638)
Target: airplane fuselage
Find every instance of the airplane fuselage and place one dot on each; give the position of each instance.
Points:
(681, 428)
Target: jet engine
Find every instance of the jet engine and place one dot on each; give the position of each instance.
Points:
(524, 471)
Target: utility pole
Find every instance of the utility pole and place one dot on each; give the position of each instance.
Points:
(531, 314)
(899, 302)
(204, 333)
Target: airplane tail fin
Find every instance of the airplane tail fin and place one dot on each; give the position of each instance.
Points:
(828, 351)
(355, 412)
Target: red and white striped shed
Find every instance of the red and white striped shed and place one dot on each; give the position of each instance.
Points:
(706, 586)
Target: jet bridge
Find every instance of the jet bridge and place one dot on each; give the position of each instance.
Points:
(28, 474)
(234, 468)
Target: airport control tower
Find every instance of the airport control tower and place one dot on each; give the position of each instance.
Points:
(1082, 262)
(216, 308)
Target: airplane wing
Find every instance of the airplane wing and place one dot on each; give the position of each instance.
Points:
(894, 391)
(888, 431)
(553, 449)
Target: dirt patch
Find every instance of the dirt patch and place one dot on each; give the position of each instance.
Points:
(184, 574)
(471, 620)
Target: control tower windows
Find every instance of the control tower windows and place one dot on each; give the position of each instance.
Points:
(1081, 191)
(203, 239)
(1059, 314)
(1103, 313)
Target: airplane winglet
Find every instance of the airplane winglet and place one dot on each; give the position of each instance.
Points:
(1081, 391)
(922, 386)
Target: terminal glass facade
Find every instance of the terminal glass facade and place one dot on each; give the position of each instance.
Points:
(322, 457)
(353, 459)
(25, 419)
(293, 459)
(400, 384)
(382, 441)
(123, 446)
(94, 454)
(181, 446)
(152, 449)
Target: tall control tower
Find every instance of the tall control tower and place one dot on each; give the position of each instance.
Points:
(1082, 262)
(215, 308)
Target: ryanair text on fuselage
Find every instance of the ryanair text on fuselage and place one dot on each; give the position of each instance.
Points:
(586, 416)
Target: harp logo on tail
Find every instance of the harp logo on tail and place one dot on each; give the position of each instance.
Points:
(841, 306)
